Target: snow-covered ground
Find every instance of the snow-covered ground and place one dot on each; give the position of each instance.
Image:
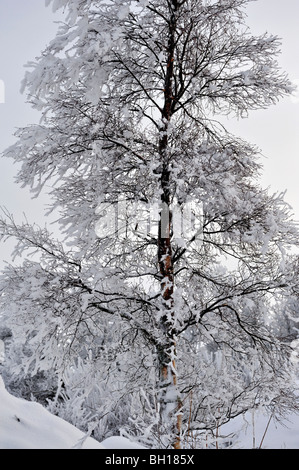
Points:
(28, 425)
(256, 430)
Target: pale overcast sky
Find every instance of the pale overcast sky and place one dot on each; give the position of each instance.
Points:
(26, 26)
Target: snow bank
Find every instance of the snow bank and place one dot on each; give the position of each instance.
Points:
(115, 442)
(27, 425)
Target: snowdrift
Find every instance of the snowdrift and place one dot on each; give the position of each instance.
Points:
(28, 425)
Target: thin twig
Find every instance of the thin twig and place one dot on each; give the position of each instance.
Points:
(265, 431)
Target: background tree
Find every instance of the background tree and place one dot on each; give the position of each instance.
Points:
(152, 331)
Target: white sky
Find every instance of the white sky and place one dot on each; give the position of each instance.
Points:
(26, 26)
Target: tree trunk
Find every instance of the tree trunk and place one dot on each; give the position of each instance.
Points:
(170, 396)
(170, 399)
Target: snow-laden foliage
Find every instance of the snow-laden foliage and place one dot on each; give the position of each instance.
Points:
(155, 331)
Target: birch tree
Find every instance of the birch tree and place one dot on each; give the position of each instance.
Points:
(132, 96)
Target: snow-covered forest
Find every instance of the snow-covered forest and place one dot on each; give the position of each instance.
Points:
(163, 306)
